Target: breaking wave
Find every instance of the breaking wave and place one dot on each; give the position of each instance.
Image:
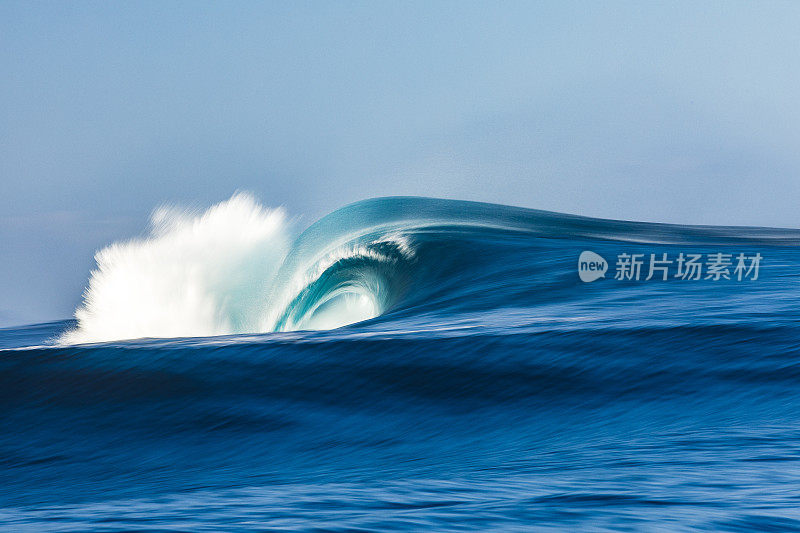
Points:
(226, 270)
(238, 267)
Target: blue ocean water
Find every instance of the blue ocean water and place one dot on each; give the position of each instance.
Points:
(493, 390)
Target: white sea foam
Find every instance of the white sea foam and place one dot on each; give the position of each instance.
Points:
(193, 274)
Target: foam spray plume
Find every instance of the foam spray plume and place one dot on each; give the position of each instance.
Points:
(226, 270)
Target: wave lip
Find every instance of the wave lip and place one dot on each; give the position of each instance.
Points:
(350, 284)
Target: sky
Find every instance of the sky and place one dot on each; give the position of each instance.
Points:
(684, 112)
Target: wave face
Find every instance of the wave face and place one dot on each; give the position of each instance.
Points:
(411, 364)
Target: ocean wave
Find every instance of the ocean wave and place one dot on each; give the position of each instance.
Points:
(432, 342)
(237, 268)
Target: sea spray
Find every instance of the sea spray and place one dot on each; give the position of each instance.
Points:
(193, 274)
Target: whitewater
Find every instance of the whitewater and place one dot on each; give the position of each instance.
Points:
(214, 273)
(410, 364)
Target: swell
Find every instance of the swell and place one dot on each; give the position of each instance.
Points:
(159, 417)
(427, 371)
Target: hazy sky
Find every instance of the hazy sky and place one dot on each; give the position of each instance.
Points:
(675, 112)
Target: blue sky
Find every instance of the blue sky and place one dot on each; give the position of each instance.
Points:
(677, 112)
